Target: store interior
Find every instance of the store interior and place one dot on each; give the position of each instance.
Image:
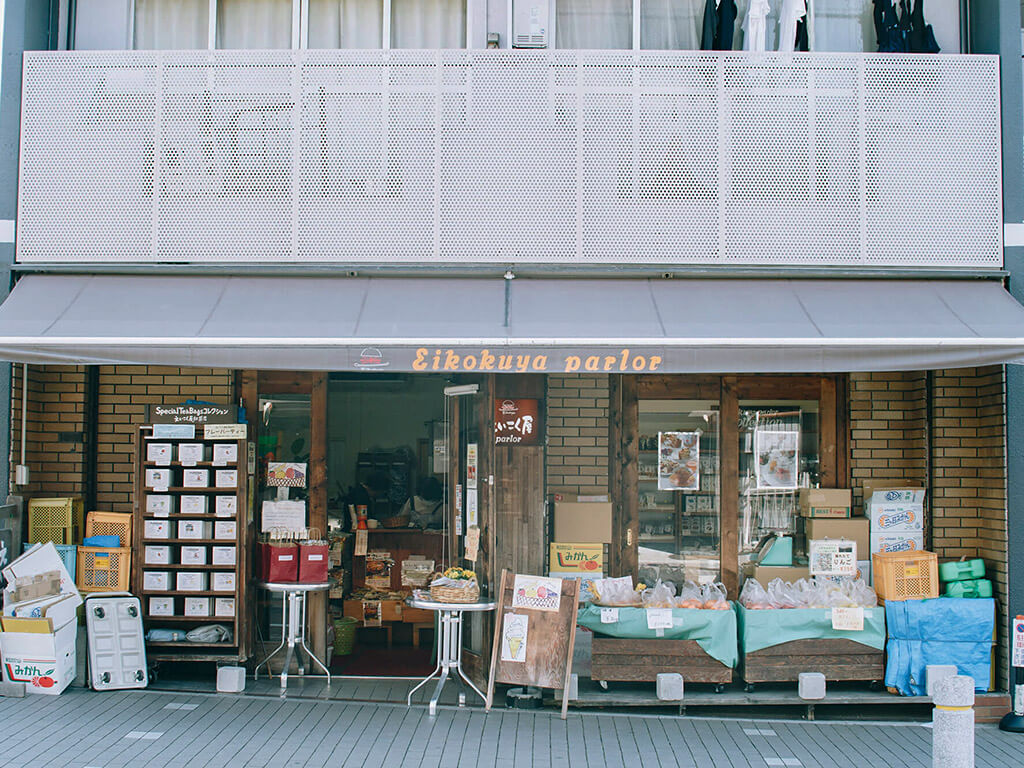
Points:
(385, 447)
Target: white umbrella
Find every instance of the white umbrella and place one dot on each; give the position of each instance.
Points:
(754, 25)
(792, 12)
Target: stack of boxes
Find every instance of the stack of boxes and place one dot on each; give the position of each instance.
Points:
(827, 515)
(39, 622)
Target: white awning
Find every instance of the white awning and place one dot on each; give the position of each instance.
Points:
(526, 324)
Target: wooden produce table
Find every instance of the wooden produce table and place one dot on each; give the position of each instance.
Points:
(809, 644)
(701, 645)
(618, 659)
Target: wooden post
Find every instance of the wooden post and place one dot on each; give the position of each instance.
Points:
(318, 501)
(624, 457)
(729, 518)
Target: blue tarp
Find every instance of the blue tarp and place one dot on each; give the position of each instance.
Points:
(946, 630)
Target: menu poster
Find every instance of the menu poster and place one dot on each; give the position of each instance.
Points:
(537, 592)
(514, 633)
(777, 458)
(371, 613)
(679, 461)
(286, 515)
(472, 507)
(378, 570)
(471, 465)
(472, 543)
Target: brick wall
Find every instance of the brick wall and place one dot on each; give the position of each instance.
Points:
(577, 414)
(56, 404)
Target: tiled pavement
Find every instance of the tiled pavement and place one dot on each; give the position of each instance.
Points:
(143, 728)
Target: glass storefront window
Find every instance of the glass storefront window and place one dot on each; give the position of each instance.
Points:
(284, 435)
(679, 489)
(778, 455)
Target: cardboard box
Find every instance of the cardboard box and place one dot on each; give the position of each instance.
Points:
(36, 587)
(156, 555)
(195, 478)
(583, 522)
(852, 528)
(224, 606)
(902, 518)
(41, 558)
(55, 610)
(45, 661)
(194, 505)
(190, 454)
(156, 581)
(191, 581)
(908, 541)
(158, 479)
(224, 555)
(227, 506)
(160, 505)
(226, 478)
(223, 581)
(193, 555)
(161, 606)
(225, 453)
(159, 453)
(156, 529)
(225, 529)
(826, 502)
(197, 606)
(194, 529)
(790, 573)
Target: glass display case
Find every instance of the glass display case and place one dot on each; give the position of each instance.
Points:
(679, 491)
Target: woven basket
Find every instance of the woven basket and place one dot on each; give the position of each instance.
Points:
(398, 521)
(444, 594)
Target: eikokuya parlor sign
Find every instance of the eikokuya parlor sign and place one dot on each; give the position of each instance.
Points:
(517, 422)
(521, 361)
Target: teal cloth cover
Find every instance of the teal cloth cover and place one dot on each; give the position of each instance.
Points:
(765, 628)
(714, 631)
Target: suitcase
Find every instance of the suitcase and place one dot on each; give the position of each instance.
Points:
(117, 650)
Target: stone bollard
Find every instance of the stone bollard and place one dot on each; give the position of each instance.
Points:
(811, 686)
(953, 723)
(669, 686)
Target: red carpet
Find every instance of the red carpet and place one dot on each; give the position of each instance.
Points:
(400, 661)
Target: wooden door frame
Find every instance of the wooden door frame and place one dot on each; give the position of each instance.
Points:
(625, 392)
(312, 383)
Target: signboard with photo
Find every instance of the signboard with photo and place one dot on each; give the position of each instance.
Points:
(777, 458)
(678, 461)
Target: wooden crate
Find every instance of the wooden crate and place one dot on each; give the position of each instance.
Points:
(628, 660)
(836, 658)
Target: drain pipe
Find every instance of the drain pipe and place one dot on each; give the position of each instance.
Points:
(21, 471)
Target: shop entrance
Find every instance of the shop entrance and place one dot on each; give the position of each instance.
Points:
(400, 455)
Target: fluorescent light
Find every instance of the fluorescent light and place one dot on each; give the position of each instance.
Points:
(462, 389)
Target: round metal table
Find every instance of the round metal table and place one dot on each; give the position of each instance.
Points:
(449, 645)
(293, 627)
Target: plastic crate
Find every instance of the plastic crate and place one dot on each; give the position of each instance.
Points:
(905, 575)
(67, 553)
(102, 569)
(961, 570)
(110, 524)
(56, 520)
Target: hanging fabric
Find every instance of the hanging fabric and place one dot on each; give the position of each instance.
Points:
(755, 25)
(921, 38)
(887, 24)
(792, 12)
(718, 25)
(802, 40)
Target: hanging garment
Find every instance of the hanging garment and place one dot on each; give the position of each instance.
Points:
(726, 24)
(754, 26)
(921, 38)
(709, 28)
(792, 12)
(903, 36)
(886, 26)
(802, 41)
(717, 27)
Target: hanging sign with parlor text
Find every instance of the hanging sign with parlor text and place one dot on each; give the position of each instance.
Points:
(517, 422)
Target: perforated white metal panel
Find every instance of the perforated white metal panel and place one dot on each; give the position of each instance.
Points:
(510, 157)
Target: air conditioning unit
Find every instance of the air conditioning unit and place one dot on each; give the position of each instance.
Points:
(530, 23)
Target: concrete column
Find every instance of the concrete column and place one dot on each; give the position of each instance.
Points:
(953, 723)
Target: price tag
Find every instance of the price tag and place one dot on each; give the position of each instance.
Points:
(659, 618)
(609, 615)
(361, 540)
(848, 619)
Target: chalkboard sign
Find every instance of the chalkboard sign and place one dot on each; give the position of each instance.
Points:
(534, 633)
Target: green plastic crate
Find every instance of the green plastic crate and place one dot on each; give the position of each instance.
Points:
(962, 570)
(969, 588)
